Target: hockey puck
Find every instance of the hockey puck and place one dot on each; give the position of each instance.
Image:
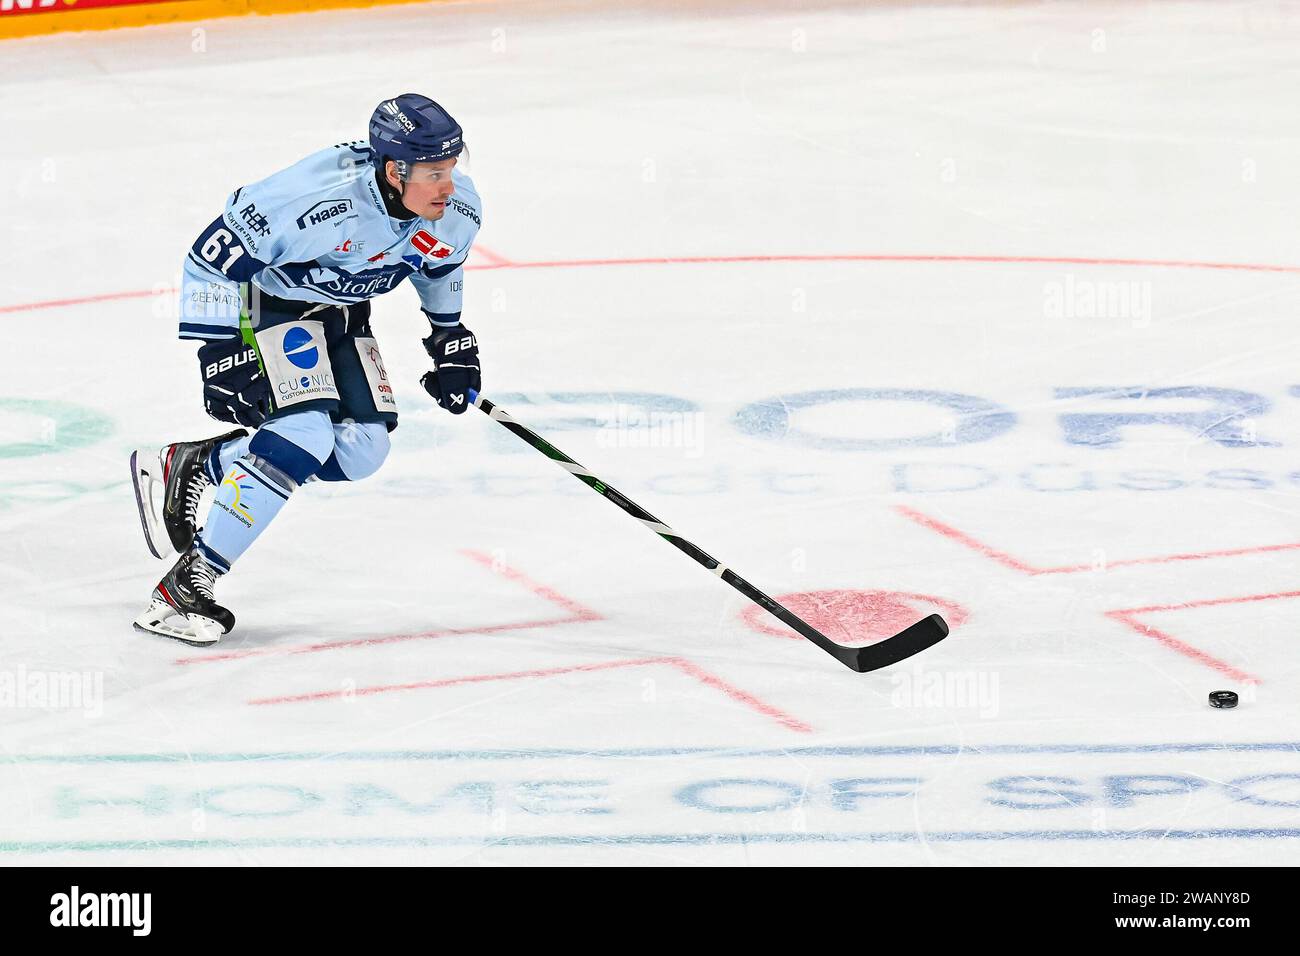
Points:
(1223, 698)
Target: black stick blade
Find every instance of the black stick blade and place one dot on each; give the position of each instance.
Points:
(924, 633)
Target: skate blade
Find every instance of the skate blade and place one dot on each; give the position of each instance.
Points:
(146, 481)
(197, 631)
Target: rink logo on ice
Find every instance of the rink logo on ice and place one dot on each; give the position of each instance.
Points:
(1086, 299)
(75, 909)
(431, 246)
(324, 211)
(948, 690)
(53, 690)
(300, 348)
(1096, 416)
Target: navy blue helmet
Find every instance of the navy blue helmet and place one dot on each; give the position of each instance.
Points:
(414, 129)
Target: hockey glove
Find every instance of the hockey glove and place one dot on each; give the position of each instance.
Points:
(235, 389)
(455, 367)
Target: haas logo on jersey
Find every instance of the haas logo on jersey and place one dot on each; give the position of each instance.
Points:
(431, 246)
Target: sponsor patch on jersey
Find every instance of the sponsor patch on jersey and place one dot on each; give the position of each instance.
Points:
(297, 363)
(324, 211)
(431, 246)
(256, 221)
(372, 363)
(351, 245)
(357, 285)
(465, 209)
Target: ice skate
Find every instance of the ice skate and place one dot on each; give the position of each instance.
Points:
(183, 607)
(168, 483)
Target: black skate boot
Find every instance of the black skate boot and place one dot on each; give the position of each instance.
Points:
(168, 484)
(185, 594)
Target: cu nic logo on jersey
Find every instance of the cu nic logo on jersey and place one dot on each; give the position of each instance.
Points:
(300, 348)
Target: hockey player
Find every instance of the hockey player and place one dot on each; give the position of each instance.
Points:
(277, 290)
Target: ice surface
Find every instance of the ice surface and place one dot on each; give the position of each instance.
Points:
(985, 325)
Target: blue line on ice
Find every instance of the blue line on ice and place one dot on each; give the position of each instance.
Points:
(656, 839)
(649, 752)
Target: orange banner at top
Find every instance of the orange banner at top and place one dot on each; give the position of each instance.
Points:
(19, 7)
(18, 18)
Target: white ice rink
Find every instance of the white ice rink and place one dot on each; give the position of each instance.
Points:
(985, 309)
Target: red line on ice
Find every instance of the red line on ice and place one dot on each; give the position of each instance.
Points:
(495, 261)
(1173, 643)
(541, 590)
(450, 682)
(493, 258)
(961, 537)
(578, 614)
(712, 680)
(689, 668)
(83, 300)
(1128, 616)
(1210, 602)
(900, 257)
(1007, 560)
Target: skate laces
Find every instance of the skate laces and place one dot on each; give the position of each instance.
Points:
(193, 492)
(203, 576)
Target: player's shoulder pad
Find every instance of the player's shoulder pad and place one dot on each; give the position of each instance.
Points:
(318, 190)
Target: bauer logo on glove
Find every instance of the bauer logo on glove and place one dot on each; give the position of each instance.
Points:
(455, 368)
(235, 389)
(230, 361)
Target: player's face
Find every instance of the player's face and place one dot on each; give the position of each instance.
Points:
(428, 187)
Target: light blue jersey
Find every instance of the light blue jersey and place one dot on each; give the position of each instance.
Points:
(318, 232)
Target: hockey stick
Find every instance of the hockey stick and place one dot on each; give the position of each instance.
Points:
(904, 644)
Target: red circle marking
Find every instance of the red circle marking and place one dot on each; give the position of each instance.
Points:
(854, 617)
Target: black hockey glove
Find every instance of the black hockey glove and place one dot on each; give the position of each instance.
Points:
(235, 389)
(455, 367)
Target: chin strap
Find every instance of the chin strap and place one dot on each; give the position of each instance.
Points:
(392, 197)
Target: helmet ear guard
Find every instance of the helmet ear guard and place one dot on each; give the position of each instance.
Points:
(403, 170)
